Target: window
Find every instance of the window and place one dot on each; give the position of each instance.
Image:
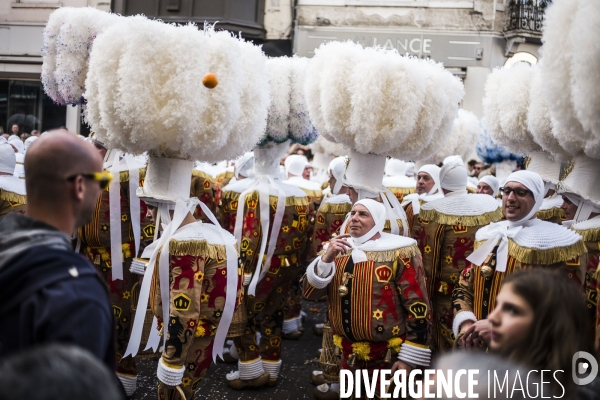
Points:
(24, 103)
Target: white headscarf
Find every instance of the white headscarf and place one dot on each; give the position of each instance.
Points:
(337, 168)
(378, 213)
(295, 165)
(584, 209)
(8, 159)
(492, 182)
(500, 232)
(453, 177)
(18, 143)
(30, 140)
(435, 193)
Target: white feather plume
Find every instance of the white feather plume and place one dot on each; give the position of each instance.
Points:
(557, 74)
(143, 95)
(539, 122)
(375, 101)
(586, 73)
(68, 40)
(506, 105)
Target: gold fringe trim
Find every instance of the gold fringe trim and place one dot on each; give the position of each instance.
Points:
(554, 212)
(224, 175)
(542, 257)
(589, 235)
(464, 220)
(13, 197)
(325, 185)
(471, 190)
(567, 170)
(402, 190)
(124, 175)
(342, 208)
(197, 248)
(202, 174)
(312, 193)
(289, 201)
(391, 255)
(388, 226)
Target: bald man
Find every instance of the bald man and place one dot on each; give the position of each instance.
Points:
(49, 293)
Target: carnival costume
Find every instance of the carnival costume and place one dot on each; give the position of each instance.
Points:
(13, 197)
(378, 304)
(445, 231)
(506, 246)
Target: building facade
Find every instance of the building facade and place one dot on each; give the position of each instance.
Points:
(470, 37)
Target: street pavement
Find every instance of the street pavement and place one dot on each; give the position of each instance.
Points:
(299, 359)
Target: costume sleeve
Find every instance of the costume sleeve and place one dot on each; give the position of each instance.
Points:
(318, 276)
(185, 293)
(410, 280)
(462, 299)
(410, 217)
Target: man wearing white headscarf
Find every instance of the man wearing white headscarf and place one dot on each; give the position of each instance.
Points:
(377, 297)
(12, 189)
(488, 185)
(580, 192)
(522, 241)
(428, 188)
(445, 232)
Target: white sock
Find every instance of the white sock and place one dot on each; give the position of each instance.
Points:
(272, 367)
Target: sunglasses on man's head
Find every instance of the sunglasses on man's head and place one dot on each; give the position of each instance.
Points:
(103, 178)
(519, 192)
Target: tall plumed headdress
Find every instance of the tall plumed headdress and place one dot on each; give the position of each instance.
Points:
(570, 77)
(462, 138)
(67, 42)
(489, 151)
(378, 103)
(288, 117)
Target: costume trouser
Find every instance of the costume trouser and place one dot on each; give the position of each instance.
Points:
(265, 315)
(197, 363)
(377, 363)
(120, 298)
(443, 317)
(293, 303)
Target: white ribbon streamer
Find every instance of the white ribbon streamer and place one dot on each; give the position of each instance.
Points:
(114, 193)
(154, 337)
(181, 210)
(261, 185)
(393, 208)
(497, 232)
(134, 201)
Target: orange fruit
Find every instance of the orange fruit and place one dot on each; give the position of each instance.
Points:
(210, 80)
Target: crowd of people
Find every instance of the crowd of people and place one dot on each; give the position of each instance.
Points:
(220, 191)
(453, 283)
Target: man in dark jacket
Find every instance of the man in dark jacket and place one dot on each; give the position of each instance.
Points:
(48, 293)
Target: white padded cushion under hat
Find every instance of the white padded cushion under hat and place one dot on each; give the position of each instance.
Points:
(453, 176)
(8, 160)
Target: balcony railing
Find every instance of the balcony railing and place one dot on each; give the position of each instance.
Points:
(527, 15)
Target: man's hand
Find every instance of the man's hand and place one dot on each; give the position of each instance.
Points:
(477, 335)
(398, 365)
(336, 246)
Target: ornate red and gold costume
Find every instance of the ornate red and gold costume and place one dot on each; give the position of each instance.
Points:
(445, 232)
(265, 310)
(197, 285)
(12, 195)
(590, 232)
(539, 244)
(96, 246)
(377, 307)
